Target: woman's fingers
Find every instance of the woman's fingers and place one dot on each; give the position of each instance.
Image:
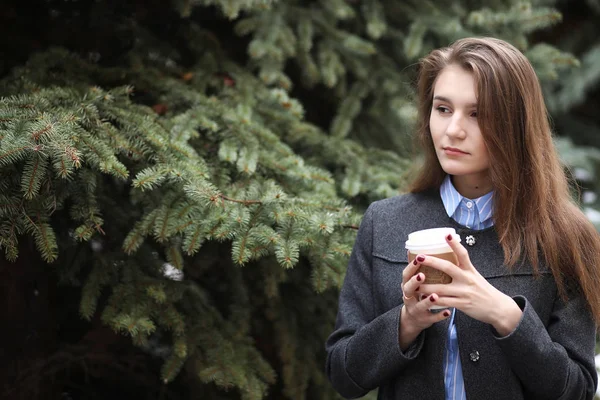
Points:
(439, 264)
(417, 309)
(444, 290)
(461, 253)
(410, 270)
(411, 287)
(420, 311)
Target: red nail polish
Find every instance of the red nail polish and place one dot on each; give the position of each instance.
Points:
(421, 258)
(415, 262)
(449, 237)
(446, 314)
(419, 278)
(431, 298)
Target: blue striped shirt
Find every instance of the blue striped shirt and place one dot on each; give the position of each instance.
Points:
(474, 214)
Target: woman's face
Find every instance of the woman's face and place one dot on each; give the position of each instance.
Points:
(456, 135)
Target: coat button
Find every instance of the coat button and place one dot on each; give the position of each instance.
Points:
(470, 240)
(474, 356)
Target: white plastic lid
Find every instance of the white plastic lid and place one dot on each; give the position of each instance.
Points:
(430, 238)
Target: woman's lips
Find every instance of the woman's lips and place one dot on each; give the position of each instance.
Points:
(451, 151)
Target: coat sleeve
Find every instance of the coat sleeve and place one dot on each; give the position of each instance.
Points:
(554, 362)
(363, 351)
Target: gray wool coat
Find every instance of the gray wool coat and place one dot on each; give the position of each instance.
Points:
(550, 355)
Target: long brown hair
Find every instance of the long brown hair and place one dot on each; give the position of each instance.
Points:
(534, 213)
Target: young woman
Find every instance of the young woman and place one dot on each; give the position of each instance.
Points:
(520, 313)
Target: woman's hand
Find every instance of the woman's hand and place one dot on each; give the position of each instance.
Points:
(470, 292)
(415, 315)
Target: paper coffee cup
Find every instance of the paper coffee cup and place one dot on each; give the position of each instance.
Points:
(432, 242)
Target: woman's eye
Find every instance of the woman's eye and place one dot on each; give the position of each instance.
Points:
(442, 110)
(474, 114)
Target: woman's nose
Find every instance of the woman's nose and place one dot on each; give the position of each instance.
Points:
(456, 127)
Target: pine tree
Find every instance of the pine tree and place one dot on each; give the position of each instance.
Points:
(199, 174)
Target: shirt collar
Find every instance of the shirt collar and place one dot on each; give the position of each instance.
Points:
(451, 199)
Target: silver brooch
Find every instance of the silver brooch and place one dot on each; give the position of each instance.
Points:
(474, 356)
(470, 240)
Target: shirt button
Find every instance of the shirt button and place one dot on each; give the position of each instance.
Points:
(474, 356)
(469, 204)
